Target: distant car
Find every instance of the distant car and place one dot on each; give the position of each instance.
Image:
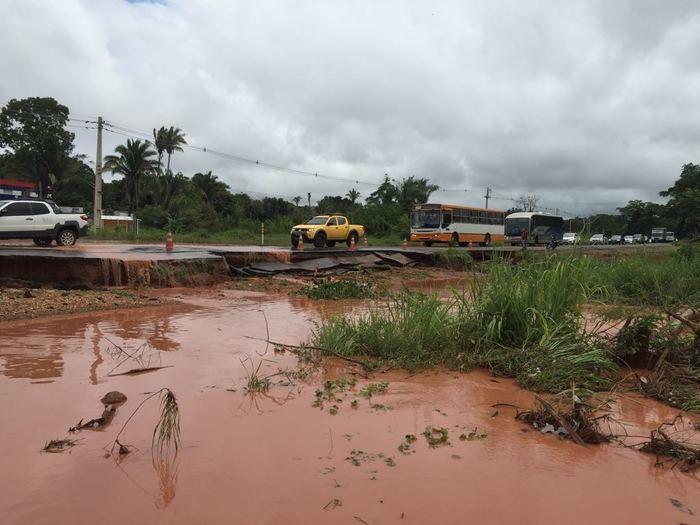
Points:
(42, 221)
(615, 239)
(670, 237)
(628, 239)
(571, 238)
(639, 238)
(598, 238)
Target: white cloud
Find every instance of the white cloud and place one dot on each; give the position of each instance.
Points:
(588, 104)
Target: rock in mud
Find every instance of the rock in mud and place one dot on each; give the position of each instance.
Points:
(111, 398)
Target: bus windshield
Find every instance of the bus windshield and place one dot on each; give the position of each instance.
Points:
(425, 219)
(514, 227)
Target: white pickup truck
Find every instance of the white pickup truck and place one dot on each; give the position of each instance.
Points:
(42, 221)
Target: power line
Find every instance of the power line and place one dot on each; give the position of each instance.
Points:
(49, 115)
(135, 133)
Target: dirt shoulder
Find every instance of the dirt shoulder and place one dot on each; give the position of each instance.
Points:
(395, 279)
(16, 303)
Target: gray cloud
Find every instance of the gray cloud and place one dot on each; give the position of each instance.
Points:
(585, 103)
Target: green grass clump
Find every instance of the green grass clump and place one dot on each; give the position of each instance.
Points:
(523, 322)
(651, 279)
(374, 389)
(520, 305)
(334, 290)
(413, 330)
(453, 258)
(436, 436)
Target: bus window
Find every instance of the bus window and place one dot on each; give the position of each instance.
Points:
(446, 218)
(425, 219)
(514, 227)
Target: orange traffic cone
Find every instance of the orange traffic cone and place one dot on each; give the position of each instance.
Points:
(300, 244)
(169, 246)
(352, 244)
(404, 244)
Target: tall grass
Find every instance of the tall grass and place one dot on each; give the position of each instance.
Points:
(523, 322)
(522, 305)
(662, 281)
(412, 330)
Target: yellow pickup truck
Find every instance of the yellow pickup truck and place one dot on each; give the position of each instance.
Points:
(326, 230)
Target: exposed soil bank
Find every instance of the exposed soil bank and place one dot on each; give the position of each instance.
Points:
(275, 458)
(31, 303)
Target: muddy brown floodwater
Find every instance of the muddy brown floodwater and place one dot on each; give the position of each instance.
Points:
(275, 458)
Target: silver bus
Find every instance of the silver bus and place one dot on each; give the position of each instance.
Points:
(541, 228)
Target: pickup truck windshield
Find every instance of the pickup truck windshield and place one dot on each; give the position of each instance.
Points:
(317, 220)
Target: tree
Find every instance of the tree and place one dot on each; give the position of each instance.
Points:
(159, 142)
(385, 194)
(215, 191)
(412, 191)
(641, 217)
(168, 140)
(76, 185)
(527, 202)
(170, 185)
(353, 195)
(334, 204)
(296, 200)
(133, 161)
(683, 207)
(33, 130)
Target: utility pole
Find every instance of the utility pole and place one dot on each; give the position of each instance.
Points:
(309, 197)
(487, 197)
(97, 210)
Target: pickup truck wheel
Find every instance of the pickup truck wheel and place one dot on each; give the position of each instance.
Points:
(66, 237)
(295, 242)
(43, 242)
(352, 236)
(330, 244)
(320, 240)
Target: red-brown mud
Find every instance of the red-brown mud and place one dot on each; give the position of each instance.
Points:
(275, 458)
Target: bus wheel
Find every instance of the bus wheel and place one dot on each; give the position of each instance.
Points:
(487, 240)
(455, 240)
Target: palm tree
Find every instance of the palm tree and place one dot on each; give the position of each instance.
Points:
(353, 195)
(170, 185)
(159, 141)
(133, 161)
(168, 140)
(296, 200)
(215, 191)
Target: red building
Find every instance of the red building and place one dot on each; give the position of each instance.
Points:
(16, 189)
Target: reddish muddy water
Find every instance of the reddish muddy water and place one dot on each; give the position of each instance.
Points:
(275, 458)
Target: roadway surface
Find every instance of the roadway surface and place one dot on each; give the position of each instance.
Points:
(124, 251)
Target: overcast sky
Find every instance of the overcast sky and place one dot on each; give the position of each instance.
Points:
(585, 103)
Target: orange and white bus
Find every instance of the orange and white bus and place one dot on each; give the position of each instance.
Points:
(456, 225)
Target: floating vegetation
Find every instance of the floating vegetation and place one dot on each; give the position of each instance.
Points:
(406, 445)
(335, 290)
(436, 436)
(59, 445)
